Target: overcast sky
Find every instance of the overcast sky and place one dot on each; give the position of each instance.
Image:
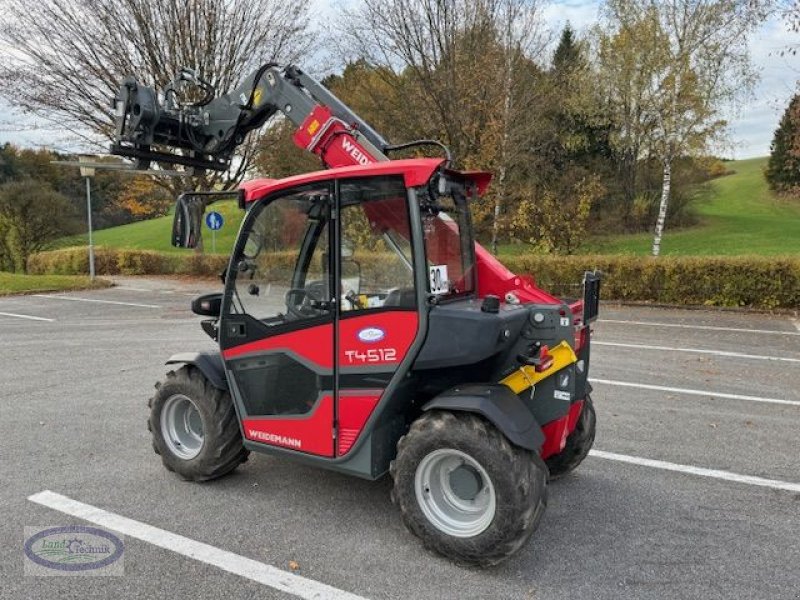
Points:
(750, 130)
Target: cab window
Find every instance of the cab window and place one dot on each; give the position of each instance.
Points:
(377, 268)
(449, 249)
(283, 269)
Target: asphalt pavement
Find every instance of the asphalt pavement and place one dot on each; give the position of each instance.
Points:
(694, 491)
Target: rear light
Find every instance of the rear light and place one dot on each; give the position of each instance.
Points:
(545, 360)
(581, 338)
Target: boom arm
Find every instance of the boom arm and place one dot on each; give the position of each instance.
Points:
(207, 132)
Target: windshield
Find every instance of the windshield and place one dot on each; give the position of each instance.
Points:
(283, 269)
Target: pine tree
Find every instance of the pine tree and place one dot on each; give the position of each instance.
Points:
(568, 53)
(783, 168)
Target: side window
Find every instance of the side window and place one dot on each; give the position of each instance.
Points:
(283, 271)
(448, 246)
(377, 266)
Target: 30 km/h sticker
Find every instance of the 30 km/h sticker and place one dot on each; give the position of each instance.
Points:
(439, 281)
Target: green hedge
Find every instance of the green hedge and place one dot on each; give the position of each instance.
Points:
(758, 282)
(118, 261)
(741, 281)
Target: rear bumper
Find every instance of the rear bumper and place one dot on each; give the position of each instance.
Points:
(556, 432)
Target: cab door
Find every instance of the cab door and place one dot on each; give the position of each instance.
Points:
(377, 319)
(277, 324)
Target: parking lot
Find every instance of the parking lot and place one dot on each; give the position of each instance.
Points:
(693, 490)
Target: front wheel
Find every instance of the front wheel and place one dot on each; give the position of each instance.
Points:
(194, 426)
(465, 490)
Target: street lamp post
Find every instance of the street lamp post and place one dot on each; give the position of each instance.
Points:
(88, 173)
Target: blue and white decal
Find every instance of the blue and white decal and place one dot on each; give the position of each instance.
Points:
(371, 335)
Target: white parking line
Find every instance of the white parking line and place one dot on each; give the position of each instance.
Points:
(5, 314)
(222, 559)
(699, 351)
(701, 471)
(690, 392)
(705, 327)
(73, 299)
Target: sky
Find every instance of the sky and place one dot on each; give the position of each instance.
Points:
(751, 126)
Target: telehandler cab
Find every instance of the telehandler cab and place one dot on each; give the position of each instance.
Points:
(361, 328)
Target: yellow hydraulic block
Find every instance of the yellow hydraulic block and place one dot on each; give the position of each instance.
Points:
(526, 376)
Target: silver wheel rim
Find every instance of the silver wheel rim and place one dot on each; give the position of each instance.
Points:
(455, 493)
(182, 427)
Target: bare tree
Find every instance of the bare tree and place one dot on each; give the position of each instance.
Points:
(69, 56)
(466, 60)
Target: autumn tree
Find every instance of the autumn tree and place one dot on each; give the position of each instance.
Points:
(557, 178)
(556, 222)
(783, 168)
(142, 198)
(70, 56)
(461, 64)
(32, 215)
(694, 64)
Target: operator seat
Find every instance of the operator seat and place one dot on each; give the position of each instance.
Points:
(401, 298)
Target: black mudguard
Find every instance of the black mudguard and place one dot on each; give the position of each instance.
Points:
(500, 406)
(209, 363)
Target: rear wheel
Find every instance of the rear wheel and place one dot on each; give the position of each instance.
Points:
(579, 442)
(194, 426)
(465, 490)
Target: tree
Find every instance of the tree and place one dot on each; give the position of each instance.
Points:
(568, 53)
(142, 199)
(32, 215)
(461, 64)
(783, 168)
(696, 63)
(555, 221)
(70, 56)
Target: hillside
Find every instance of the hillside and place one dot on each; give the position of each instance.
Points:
(738, 216)
(156, 234)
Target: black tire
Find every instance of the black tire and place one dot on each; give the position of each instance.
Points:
(519, 478)
(579, 442)
(222, 450)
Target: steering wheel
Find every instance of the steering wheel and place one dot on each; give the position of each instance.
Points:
(300, 303)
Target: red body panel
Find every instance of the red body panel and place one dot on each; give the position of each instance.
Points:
(314, 344)
(355, 407)
(360, 344)
(312, 434)
(330, 139)
(497, 280)
(556, 432)
(415, 172)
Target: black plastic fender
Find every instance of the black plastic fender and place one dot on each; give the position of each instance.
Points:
(209, 363)
(499, 405)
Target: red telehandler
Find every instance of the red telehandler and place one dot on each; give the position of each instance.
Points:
(361, 328)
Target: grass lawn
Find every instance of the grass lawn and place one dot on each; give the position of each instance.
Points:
(740, 216)
(17, 283)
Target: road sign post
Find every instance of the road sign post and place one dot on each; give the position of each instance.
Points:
(88, 173)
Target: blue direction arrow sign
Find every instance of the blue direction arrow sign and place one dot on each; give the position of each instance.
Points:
(214, 221)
